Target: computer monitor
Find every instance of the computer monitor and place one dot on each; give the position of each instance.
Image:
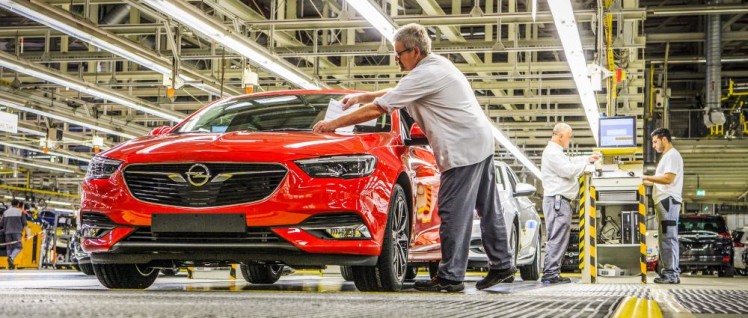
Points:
(617, 132)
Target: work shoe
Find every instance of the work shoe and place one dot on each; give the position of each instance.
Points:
(496, 276)
(438, 284)
(667, 280)
(556, 280)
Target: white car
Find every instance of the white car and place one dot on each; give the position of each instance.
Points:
(740, 258)
(521, 217)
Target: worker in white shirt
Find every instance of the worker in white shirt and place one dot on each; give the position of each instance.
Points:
(667, 195)
(560, 175)
(440, 99)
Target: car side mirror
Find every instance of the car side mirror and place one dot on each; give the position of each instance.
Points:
(159, 131)
(524, 190)
(417, 137)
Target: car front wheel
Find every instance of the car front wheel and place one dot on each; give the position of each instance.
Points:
(389, 273)
(125, 276)
(531, 272)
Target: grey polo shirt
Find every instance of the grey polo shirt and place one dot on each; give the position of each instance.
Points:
(13, 221)
(439, 97)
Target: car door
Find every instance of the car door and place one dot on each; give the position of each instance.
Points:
(527, 215)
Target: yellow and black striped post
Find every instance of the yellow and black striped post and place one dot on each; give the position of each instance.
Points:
(642, 196)
(587, 230)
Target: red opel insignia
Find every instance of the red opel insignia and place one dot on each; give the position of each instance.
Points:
(245, 181)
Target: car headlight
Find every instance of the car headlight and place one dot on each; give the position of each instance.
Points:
(102, 168)
(339, 166)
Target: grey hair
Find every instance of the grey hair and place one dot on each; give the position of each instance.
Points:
(414, 36)
(561, 128)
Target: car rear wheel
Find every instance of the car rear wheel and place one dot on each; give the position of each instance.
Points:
(433, 269)
(170, 271)
(389, 273)
(531, 272)
(726, 271)
(347, 273)
(125, 276)
(261, 273)
(86, 268)
(411, 273)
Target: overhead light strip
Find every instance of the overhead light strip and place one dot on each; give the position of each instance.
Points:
(382, 23)
(65, 119)
(23, 163)
(566, 26)
(54, 153)
(50, 17)
(198, 21)
(22, 66)
(376, 18)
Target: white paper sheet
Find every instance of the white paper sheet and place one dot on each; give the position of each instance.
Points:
(335, 110)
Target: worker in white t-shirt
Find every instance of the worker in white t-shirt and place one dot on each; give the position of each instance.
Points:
(667, 195)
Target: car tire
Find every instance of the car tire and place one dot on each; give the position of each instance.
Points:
(261, 273)
(86, 268)
(392, 264)
(531, 272)
(125, 276)
(433, 269)
(411, 273)
(726, 271)
(347, 273)
(169, 271)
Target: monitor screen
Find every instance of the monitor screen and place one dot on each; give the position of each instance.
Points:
(617, 132)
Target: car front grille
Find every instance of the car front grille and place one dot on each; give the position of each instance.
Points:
(224, 183)
(253, 235)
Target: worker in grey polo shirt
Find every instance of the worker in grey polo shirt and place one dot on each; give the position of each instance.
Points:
(13, 222)
(560, 175)
(668, 196)
(439, 97)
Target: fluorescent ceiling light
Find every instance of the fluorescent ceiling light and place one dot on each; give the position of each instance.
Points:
(41, 151)
(14, 63)
(58, 202)
(190, 16)
(376, 17)
(102, 39)
(64, 210)
(30, 164)
(563, 17)
(65, 119)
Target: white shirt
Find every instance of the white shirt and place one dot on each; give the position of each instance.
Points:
(560, 173)
(439, 97)
(671, 162)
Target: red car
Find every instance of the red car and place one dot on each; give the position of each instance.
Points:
(244, 180)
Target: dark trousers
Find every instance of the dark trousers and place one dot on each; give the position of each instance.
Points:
(558, 227)
(15, 248)
(464, 190)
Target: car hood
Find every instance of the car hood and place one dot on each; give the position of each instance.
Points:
(244, 146)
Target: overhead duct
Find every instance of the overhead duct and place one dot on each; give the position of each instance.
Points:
(117, 15)
(712, 113)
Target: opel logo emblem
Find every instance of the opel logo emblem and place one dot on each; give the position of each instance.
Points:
(198, 175)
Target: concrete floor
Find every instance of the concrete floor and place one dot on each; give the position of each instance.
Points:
(65, 293)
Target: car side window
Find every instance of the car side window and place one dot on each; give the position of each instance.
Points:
(500, 178)
(512, 178)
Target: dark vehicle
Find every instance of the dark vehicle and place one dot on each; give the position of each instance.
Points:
(705, 244)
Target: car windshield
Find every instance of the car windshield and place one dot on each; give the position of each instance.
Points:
(715, 225)
(269, 113)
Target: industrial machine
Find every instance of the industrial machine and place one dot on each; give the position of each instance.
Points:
(612, 208)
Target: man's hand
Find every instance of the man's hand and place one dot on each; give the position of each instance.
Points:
(593, 158)
(324, 126)
(353, 99)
